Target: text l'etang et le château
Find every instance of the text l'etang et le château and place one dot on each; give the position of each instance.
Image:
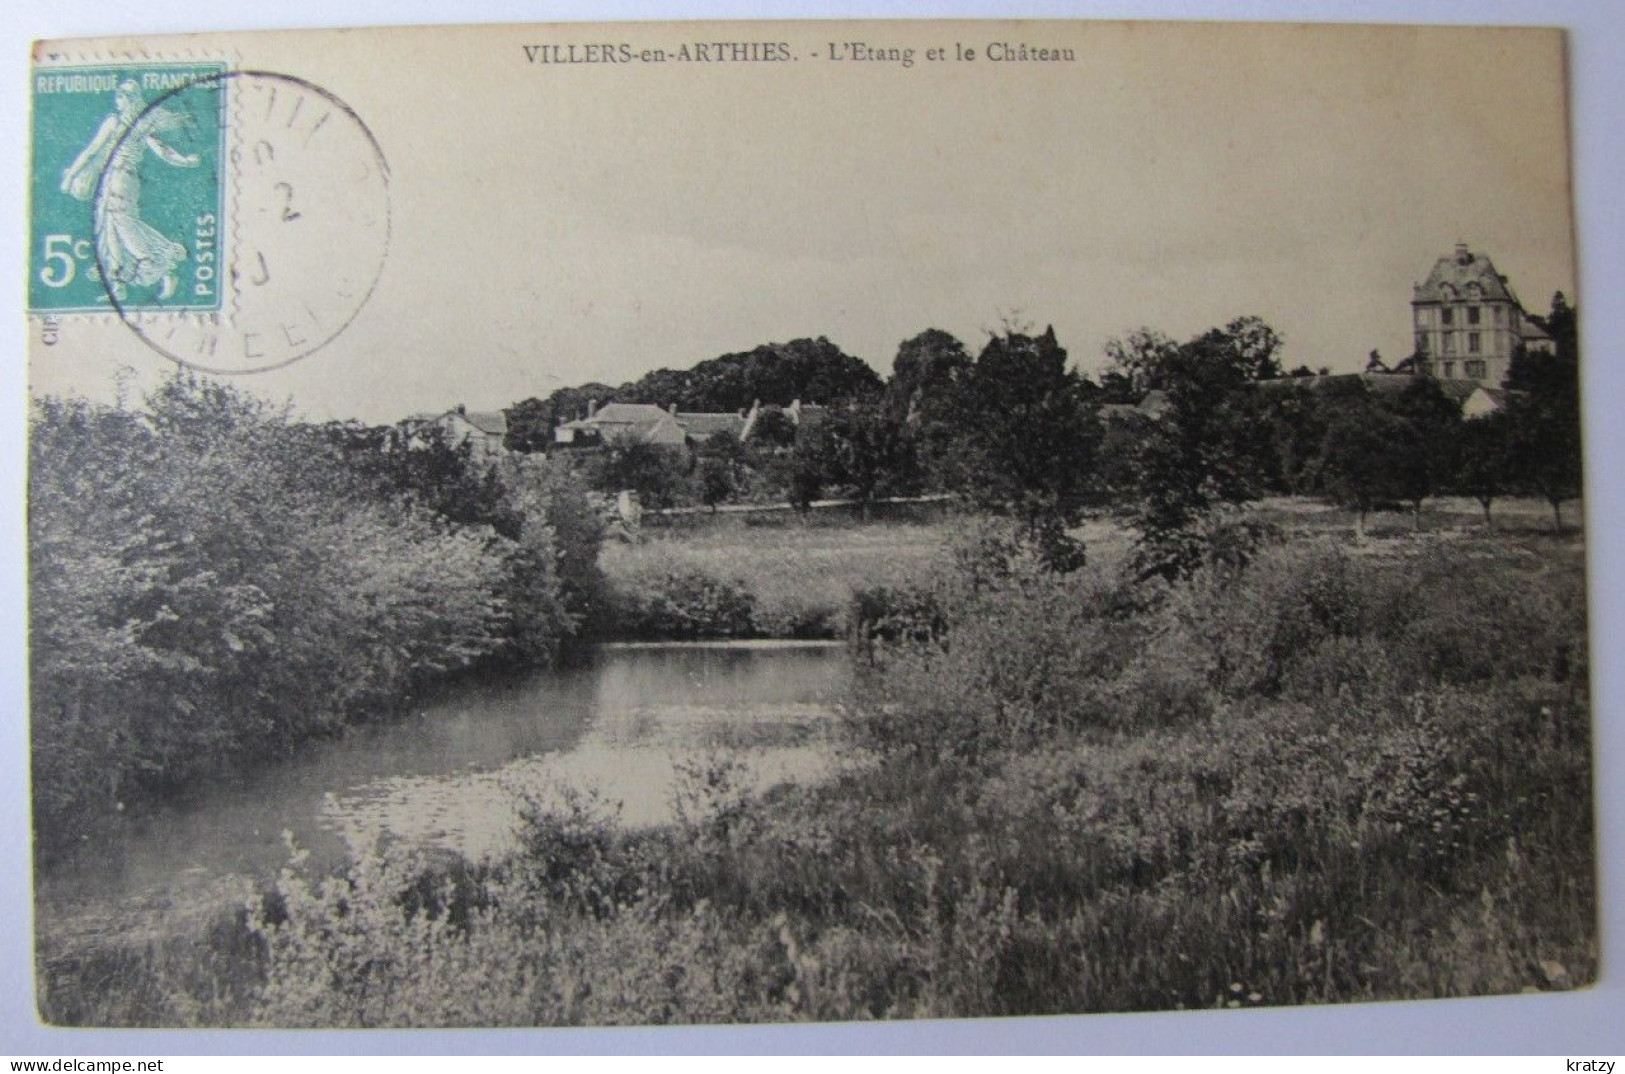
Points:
(622, 52)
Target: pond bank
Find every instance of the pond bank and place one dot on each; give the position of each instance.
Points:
(619, 724)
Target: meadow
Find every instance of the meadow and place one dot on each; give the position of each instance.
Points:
(1341, 772)
(784, 575)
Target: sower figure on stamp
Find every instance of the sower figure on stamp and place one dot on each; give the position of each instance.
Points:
(131, 252)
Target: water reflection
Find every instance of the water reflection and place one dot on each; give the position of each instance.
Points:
(446, 775)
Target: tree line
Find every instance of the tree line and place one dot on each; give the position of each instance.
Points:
(1170, 435)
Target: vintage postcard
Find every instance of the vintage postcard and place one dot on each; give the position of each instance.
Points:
(761, 522)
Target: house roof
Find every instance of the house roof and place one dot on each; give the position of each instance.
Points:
(1454, 274)
(707, 425)
(624, 421)
(490, 422)
(624, 414)
(1528, 329)
(1118, 411)
(1459, 390)
(1155, 403)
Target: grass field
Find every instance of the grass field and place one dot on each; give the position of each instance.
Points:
(724, 577)
(797, 579)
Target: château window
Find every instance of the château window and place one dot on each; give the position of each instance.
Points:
(1447, 315)
(1447, 344)
(1472, 314)
(1472, 342)
(1421, 343)
(1474, 369)
(1449, 369)
(1499, 314)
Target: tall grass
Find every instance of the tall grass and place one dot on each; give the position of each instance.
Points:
(1327, 777)
(790, 580)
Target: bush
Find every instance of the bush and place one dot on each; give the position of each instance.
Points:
(896, 613)
(681, 604)
(212, 584)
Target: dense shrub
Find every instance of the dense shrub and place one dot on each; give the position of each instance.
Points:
(798, 580)
(212, 583)
(1020, 657)
(1311, 616)
(682, 604)
(896, 613)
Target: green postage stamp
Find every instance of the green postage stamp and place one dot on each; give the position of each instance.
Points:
(127, 188)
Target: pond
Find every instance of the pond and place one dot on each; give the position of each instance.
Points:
(621, 722)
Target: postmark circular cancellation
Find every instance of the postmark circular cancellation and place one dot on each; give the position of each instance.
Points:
(237, 221)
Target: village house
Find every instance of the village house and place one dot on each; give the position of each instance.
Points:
(483, 430)
(1154, 405)
(618, 424)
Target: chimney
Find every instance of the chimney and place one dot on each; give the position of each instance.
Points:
(672, 409)
(1462, 254)
(592, 407)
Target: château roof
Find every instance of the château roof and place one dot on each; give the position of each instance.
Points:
(1528, 329)
(1454, 274)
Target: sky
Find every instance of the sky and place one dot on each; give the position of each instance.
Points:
(556, 224)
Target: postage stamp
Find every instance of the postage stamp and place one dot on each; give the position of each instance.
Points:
(127, 188)
(235, 220)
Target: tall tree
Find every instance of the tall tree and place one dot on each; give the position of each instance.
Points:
(1545, 453)
(1436, 420)
(1137, 362)
(1484, 460)
(1212, 445)
(870, 452)
(927, 381)
(1370, 455)
(812, 370)
(1030, 431)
